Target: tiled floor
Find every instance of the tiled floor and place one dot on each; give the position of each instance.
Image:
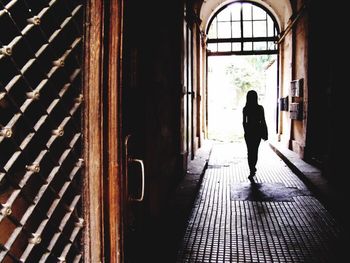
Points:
(275, 219)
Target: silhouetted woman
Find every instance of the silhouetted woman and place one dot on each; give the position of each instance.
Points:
(254, 129)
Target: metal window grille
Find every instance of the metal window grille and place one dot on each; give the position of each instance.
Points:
(40, 130)
(242, 28)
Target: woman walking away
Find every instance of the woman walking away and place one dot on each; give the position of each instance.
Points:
(255, 129)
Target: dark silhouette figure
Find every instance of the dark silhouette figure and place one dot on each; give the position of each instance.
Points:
(255, 129)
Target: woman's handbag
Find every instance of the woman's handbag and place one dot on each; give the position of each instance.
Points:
(263, 131)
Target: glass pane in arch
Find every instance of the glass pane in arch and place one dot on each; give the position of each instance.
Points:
(247, 46)
(224, 15)
(259, 13)
(236, 29)
(270, 27)
(213, 47)
(236, 46)
(235, 11)
(261, 45)
(222, 47)
(259, 29)
(212, 30)
(271, 45)
(247, 11)
(224, 30)
(247, 29)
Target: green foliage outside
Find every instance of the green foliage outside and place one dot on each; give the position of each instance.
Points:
(229, 80)
(248, 74)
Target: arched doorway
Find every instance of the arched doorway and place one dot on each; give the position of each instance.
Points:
(242, 54)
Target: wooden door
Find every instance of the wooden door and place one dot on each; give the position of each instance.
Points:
(41, 131)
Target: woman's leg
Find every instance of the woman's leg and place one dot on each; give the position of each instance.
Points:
(255, 148)
(252, 147)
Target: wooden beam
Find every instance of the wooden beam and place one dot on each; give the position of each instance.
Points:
(114, 132)
(93, 137)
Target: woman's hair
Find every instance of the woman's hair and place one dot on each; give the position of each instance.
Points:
(252, 98)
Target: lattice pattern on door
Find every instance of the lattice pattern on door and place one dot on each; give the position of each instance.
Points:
(40, 130)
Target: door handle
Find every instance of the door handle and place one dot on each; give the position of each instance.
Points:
(130, 160)
(142, 194)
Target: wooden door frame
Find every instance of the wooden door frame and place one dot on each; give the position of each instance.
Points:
(102, 136)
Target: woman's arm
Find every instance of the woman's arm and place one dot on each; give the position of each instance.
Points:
(244, 120)
(263, 123)
(263, 115)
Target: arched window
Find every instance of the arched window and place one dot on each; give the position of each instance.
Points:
(242, 28)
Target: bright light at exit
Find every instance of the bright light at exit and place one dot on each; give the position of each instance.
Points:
(229, 79)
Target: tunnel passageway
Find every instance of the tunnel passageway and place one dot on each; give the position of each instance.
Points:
(275, 219)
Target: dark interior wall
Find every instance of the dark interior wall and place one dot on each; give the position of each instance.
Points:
(338, 95)
(319, 106)
(151, 92)
(328, 105)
